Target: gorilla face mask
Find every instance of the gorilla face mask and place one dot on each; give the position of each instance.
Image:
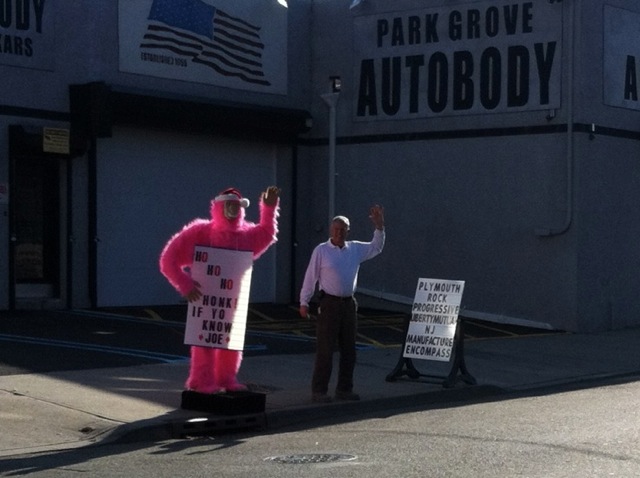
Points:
(231, 209)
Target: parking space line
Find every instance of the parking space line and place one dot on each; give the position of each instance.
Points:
(371, 341)
(158, 356)
(261, 315)
(153, 314)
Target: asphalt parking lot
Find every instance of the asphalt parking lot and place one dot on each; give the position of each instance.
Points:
(123, 336)
(376, 328)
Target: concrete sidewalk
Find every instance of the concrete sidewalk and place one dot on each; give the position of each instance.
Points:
(62, 410)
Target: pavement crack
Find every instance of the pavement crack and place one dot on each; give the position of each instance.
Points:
(62, 405)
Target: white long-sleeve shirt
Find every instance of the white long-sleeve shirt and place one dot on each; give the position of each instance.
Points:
(335, 269)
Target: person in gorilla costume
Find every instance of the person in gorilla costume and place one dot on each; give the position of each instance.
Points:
(214, 370)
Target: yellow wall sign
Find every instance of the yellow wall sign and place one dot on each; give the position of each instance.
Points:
(55, 140)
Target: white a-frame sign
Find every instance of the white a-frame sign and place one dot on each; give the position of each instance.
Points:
(434, 318)
(434, 332)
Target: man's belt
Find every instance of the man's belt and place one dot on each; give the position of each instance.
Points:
(337, 297)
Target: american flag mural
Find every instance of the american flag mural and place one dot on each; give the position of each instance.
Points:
(208, 36)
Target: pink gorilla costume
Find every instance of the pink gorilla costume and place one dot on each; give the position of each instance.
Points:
(214, 370)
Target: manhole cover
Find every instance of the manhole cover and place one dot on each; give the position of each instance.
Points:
(311, 458)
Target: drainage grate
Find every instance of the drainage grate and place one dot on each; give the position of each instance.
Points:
(311, 458)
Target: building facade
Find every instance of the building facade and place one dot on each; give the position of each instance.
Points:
(500, 136)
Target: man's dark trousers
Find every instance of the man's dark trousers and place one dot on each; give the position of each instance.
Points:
(337, 322)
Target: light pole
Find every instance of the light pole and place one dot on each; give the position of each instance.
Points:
(331, 99)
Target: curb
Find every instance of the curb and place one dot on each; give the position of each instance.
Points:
(160, 429)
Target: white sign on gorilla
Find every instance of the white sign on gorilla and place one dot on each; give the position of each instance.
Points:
(219, 318)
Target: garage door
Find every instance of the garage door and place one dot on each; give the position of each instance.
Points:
(151, 183)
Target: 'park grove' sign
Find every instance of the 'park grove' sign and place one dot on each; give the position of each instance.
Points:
(488, 57)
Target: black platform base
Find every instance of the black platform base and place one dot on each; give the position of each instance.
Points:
(212, 425)
(230, 403)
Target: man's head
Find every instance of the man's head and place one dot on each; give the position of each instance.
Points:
(339, 230)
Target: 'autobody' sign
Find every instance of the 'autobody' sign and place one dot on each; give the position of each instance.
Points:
(491, 57)
(621, 58)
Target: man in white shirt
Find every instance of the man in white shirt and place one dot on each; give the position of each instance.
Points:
(334, 266)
